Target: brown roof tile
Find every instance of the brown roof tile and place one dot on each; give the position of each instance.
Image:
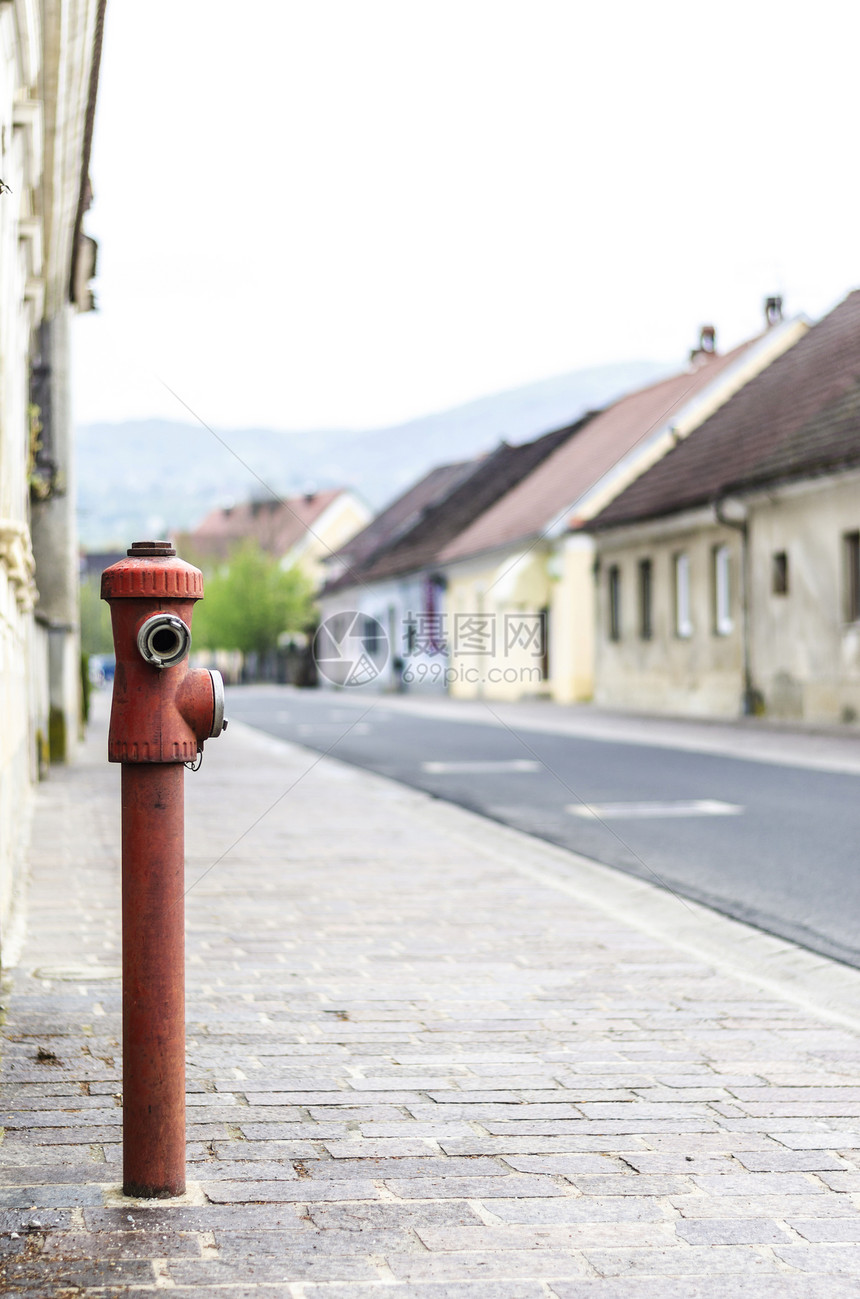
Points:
(276, 525)
(799, 416)
(488, 477)
(395, 521)
(547, 494)
(404, 512)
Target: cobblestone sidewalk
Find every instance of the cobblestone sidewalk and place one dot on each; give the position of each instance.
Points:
(419, 1067)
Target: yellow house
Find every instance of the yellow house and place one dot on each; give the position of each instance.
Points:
(520, 583)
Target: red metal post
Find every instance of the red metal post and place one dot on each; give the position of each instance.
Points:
(153, 979)
(161, 713)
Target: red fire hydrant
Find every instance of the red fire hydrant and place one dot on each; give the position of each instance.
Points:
(161, 714)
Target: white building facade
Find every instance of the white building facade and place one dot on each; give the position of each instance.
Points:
(49, 55)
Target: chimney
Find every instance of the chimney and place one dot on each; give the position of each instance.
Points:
(707, 343)
(772, 311)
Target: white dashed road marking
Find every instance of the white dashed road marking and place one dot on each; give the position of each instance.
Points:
(629, 811)
(458, 768)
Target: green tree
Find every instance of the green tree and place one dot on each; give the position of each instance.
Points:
(96, 636)
(250, 601)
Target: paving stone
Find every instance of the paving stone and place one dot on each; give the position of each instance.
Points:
(34, 1220)
(828, 1230)
(512, 1186)
(283, 1190)
(576, 1209)
(77, 1245)
(732, 1231)
(630, 1184)
(91, 1274)
(382, 1216)
(691, 1261)
(759, 1184)
(762, 1286)
(55, 1174)
(567, 1165)
(382, 1148)
(285, 1131)
(679, 1164)
(508, 1265)
(762, 1206)
(237, 1170)
(460, 1289)
(233, 1244)
(430, 1166)
(848, 1183)
(570, 1236)
(49, 1197)
(162, 1215)
(844, 1258)
(818, 1140)
(293, 1267)
(813, 1161)
(243, 1152)
(608, 1129)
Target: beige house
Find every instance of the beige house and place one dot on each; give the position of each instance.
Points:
(728, 576)
(522, 573)
(49, 57)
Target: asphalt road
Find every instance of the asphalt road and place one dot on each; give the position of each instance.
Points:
(779, 850)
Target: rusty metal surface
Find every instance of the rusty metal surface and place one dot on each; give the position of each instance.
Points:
(153, 968)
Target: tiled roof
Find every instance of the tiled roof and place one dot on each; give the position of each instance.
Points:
(395, 520)
(829, 441)
(488, 478)
(276, 525)
(799, 416)
(547, 494)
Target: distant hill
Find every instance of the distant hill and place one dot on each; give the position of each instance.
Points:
(149, 476)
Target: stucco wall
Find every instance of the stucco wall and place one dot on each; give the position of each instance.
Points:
(493, 605)
(805, 655)
(571, 624)
(698, 675)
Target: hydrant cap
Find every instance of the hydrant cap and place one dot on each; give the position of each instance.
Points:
(152, 571)
(144, 549)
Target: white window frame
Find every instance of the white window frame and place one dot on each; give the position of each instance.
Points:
(724, 623)
(683, 619)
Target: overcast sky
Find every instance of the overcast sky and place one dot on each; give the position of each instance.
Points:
(346, 213)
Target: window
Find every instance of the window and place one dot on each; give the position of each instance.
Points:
(614, 587)
(683, 621)
(851, 560)
(372, 635)
(646, 582)
(779, 573)
(723, 622)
